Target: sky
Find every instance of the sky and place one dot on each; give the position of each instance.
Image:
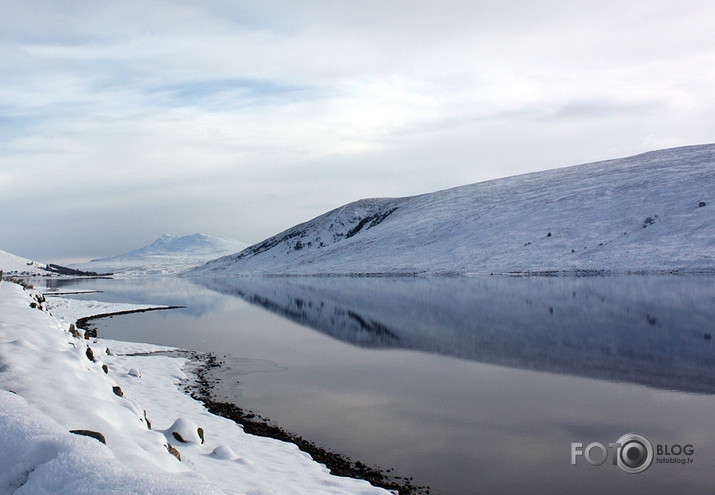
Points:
(122, 121)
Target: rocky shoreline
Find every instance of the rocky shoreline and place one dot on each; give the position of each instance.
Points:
(255, 424)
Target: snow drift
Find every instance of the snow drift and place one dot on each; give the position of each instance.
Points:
(646, 213)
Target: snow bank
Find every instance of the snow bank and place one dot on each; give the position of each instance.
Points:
(651, 213)
(50, 385)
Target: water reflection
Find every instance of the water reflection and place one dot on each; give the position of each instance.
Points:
(653, 331)
(160, 291)
(388, 370)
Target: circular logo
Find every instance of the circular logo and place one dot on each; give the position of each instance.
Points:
(635, 453)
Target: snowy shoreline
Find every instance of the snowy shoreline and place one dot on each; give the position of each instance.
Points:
(52, 383)
(200, 387)
(575, 273)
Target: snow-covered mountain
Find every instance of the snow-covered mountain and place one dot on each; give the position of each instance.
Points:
(650, 212)
(167, 255)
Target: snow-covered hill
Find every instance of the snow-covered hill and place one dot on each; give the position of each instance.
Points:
(650, 212)
(11, 264)
(167, 255)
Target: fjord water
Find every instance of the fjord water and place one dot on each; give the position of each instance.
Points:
(469, 385)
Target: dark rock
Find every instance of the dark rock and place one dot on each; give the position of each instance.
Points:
(201, 434)
(90, 354)
(109, 353)
(89, 433)
(701, 204)
(185, 431)
(118, 391)
(707, 336)
(105, 369)
(548, 235)
(33, 305)
(74, 332)
(173, 451)
(148, 423)
(370, 221)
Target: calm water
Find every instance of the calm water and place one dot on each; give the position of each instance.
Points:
(470, 385)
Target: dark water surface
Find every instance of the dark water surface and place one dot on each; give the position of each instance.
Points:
(469, 385)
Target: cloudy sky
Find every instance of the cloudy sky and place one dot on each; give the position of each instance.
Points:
(124, 120)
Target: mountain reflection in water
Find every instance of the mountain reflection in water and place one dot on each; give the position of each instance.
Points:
(650, 330)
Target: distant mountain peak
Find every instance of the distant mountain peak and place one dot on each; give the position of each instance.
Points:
(169, 245)
(161, 241)
(168, 254)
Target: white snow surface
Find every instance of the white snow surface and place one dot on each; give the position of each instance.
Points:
(167, 255)
(647, 213)
(48, 386)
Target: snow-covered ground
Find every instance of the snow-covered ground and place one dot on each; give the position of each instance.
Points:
(50, 384)
(651, 213)
(167, 255)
